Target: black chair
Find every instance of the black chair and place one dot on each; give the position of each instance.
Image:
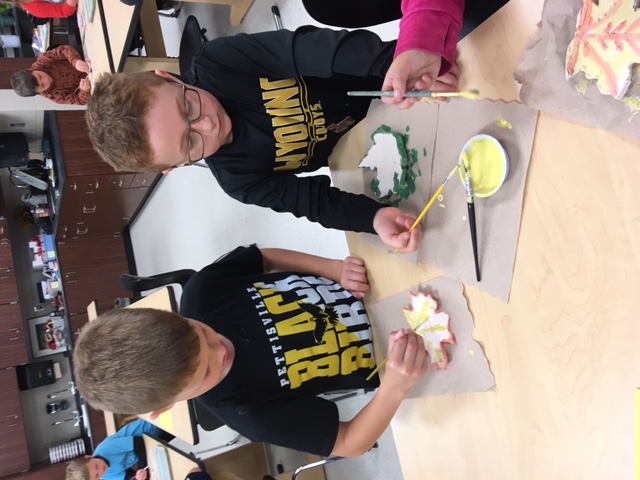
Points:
(193, 37)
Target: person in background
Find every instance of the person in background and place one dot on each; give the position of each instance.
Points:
(44, 9)
(120, 456)
(59, 75)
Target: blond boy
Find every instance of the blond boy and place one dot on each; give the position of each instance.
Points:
(266, 331)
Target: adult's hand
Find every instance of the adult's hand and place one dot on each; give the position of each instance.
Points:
(392, 226)
(417, 70)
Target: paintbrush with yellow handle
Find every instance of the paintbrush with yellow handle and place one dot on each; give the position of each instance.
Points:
(468, 94)
(432, 201)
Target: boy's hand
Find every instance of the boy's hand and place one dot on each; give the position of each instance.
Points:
(408, 361)
(141, 474)
(85, 85)
(392, 226)
(417, 70)
(353, 276)
(83, 66)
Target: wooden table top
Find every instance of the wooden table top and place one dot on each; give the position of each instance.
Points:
(180, 464)
(563, 350)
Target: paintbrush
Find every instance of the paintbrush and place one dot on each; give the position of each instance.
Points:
(469, 94)
(471, 209)
(432, 201)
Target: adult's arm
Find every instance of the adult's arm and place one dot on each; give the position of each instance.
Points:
(42, 9)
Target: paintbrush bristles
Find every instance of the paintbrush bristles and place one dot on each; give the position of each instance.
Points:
(468, 94)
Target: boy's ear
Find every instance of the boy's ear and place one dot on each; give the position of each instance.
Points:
(157, 413)
(163, 74)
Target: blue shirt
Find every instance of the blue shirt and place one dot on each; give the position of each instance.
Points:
(117, 449)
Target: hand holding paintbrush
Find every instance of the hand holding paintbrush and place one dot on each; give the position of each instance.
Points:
(409, 360)
(432, 201)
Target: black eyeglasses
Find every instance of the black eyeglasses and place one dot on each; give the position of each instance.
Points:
(193, 111)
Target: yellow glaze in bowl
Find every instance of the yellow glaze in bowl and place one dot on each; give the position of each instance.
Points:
(488, 164)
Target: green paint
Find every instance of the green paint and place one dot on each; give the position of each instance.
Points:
(407, 128)
(424, 152)
(404, 182)
(632, 102)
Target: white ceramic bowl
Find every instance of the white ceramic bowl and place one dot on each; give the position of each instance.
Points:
(504, 160)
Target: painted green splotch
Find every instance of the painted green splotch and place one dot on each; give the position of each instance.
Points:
(404, 182)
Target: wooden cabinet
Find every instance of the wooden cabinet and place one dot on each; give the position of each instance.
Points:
(96, 201)
(91, 271)
(13, 339)
(14, 455)
(8, 283)
(42, 472)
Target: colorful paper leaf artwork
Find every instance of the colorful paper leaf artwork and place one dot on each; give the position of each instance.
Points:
(426, 320)
(606, 44)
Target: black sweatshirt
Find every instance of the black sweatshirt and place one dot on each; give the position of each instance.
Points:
(285, 93)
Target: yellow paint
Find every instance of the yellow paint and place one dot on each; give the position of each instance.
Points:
(471, 352)
(440, 198)
(166, 421)
(504, 123)
(632, 102)
(582, 86)
(487, 167)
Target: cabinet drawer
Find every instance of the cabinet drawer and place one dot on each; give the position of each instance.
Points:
(14, 454)
(143, 180)
(6, 257)
(13, 348)
(120, 180)
(8, 288)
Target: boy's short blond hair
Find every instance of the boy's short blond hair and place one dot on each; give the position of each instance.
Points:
(116, 119)
(78, 469)
(135, 360)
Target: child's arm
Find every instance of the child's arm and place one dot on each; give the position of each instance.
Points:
(351, 272)
(408, 362)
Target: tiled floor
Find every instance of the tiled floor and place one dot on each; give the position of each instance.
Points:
(189, 221)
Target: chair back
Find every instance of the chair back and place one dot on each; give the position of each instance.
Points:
(193, 37)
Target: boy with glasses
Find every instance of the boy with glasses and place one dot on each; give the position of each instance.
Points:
(262, 108)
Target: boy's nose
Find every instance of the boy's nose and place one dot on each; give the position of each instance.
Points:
(205, 125)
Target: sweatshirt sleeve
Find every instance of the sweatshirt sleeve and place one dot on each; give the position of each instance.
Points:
(432, 26)
(42, 9)
(312, 197)
(64, 52)
(63, 97)
(309, 51)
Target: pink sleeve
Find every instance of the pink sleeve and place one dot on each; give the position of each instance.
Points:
(432, 26)
(42, 9)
